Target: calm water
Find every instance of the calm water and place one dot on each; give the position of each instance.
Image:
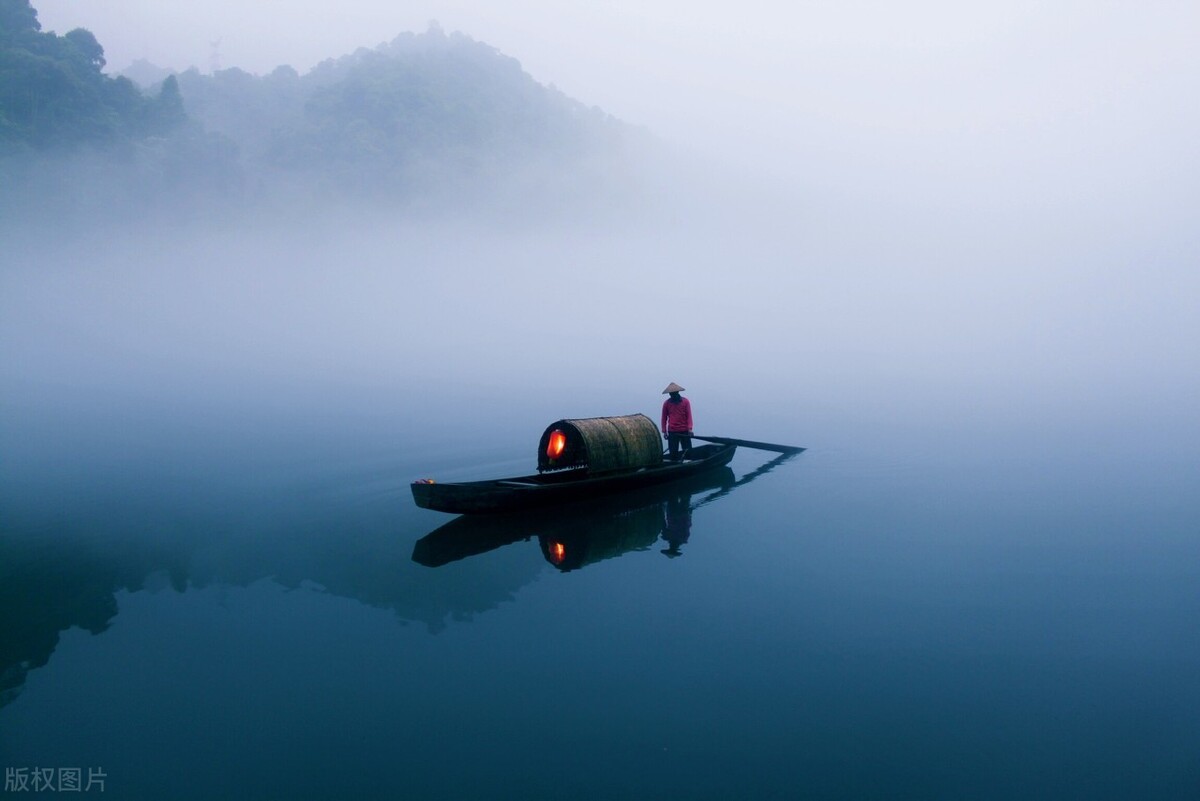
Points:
(851, 622)
(978, 582)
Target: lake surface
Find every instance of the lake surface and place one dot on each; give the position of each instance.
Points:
(976, 583)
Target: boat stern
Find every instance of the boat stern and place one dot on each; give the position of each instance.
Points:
(423, 492)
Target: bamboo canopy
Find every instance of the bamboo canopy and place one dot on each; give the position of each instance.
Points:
(602, 444)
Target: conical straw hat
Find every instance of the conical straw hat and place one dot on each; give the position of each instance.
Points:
(673, 387)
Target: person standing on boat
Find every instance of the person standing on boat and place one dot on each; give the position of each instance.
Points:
(676, 421)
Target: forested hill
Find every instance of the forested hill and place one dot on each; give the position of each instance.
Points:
(54, 95)
(424, 116)
(422, 107)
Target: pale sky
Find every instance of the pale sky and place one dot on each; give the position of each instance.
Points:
(1040, 93)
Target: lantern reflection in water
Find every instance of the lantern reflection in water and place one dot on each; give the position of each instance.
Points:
(583, 540)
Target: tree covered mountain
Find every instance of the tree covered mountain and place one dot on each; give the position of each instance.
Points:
(54, 95)
(423, 116)
(423, 111)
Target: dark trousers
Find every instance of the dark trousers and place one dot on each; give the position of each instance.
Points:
(676, 441)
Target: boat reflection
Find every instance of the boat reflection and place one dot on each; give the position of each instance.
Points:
(577, 542)
(574, 536)
(72, 575)
(577, 536)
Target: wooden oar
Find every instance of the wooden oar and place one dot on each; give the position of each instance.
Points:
(745, 443)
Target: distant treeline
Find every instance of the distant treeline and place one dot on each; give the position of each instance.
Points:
(426, 115)
(53, 94)
(422, 109)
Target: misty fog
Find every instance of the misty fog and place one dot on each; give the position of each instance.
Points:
(963, 224)
(263, 265)
(825, 326)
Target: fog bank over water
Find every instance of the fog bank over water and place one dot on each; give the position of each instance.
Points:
(851, 225)
(825, 322)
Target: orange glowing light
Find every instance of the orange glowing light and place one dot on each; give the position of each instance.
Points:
(558, 552)
(558, 444)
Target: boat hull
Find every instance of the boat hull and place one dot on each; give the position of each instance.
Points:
(599, 524)
(554, 489)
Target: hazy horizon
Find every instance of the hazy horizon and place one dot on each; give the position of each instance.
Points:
(1006, 97)
(1009, 181)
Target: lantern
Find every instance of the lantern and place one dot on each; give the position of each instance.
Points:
(556, 445)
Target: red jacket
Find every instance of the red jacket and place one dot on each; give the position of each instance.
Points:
(677, 417)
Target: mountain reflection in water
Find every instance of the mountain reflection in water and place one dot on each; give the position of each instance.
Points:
(572, 537)
(56, 579)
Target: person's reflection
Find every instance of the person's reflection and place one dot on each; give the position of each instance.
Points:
(677, 524)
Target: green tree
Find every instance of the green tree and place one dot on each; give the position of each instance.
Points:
(165, 112)
(89, 49)
(17, 18)
(54, 93)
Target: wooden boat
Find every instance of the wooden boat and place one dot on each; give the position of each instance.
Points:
(550, 489)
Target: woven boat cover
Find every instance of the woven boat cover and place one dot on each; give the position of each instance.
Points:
(604, 444)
